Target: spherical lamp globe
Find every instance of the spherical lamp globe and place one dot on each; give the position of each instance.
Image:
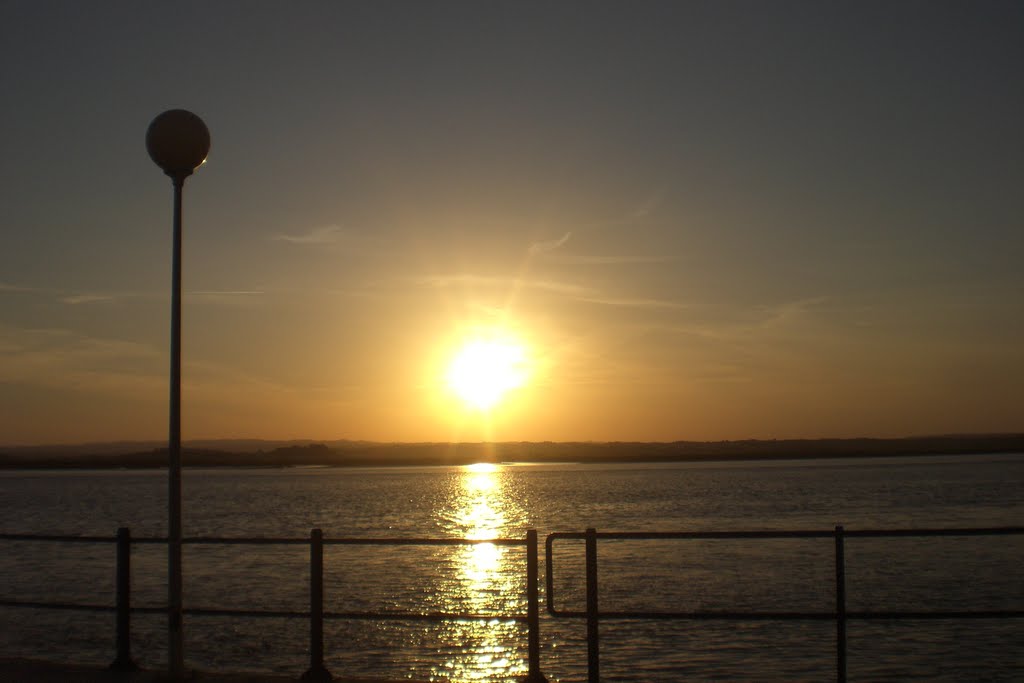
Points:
(178, 142)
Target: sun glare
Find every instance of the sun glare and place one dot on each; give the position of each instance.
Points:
(481, 467)
(483, 371)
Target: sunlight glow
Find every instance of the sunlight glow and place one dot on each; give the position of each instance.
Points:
(483, 371)
(482, 510)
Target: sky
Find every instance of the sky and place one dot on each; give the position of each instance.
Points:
(693, 220)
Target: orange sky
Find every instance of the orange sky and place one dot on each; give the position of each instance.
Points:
(701, 220)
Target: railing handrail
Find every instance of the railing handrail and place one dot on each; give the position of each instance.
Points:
(316, 614)
(387, 615)
(621, 535)
(59, 538)
(271, 540)
(791, 533)
(840, 614)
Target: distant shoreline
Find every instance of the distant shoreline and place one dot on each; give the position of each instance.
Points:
(368, 454)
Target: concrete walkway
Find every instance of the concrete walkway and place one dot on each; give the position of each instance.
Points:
(34, 671)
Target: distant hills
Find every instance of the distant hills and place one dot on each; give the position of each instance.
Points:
(257, 453)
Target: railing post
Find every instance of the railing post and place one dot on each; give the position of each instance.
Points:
(593, 653)
(840, 606)
(123, 660)
(549, 573)
(317, 671)
(533, 609)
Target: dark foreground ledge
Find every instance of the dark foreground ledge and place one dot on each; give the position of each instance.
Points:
(33, 671)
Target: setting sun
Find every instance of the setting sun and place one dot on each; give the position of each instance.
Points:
(483, 371)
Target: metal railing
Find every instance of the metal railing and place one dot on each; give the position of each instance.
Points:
(592, 614)
(317, 671)
(841, 615)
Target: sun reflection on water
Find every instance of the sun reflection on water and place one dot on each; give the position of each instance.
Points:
(488, 577)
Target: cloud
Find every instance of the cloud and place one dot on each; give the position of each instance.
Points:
(329, 234)
(503, 282)
(107, 297)
(228, 297)
(70, 343)
(72, 298)
(76, 299)
(648, 206)
(627, 302)
(492, 311)
(235, 292)
(790, 311)
(8, 287)
(64, 359)
(210, 296)
(547, 248)
(597, 260)
(549, 245)
(569, 290)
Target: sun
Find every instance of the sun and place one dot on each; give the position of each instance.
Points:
(483, 371)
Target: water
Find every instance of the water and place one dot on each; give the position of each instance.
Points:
(505, 501)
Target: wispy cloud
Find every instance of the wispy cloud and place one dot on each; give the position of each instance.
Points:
(789, 312)
(569, 290)
(65, 296)
(76, 299)
(648, 206)
(547, 250)
(549, 245)
(209, 296)
(65, 359)
(86, 298)
(21, 339)
(73, 298)
(628, 302)
(8, 287)
(744, 323)
(503, 282)
(227, 297)
(492, 311)
(598, 260)
(230, 292)
(328, 234)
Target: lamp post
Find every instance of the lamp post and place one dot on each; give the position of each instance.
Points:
(178, 142)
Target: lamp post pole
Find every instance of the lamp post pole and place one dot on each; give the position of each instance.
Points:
(175, 645)
(178, 142)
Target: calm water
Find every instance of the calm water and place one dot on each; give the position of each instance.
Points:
(505, 501)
